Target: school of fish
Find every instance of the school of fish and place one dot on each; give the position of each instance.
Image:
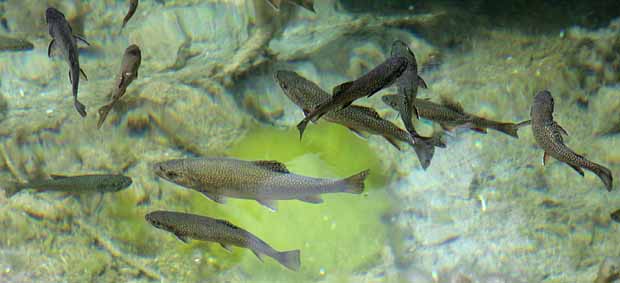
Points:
(268, 181)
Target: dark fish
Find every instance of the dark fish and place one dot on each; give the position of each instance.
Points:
(615, 216)
(548, 135)
(344, 94)
(129, 72)
(264, 181)
(308, 4)
(74, 184)
(190, 226)
(133, 6)
(359, 119)
(450, 114)
(64, 40)
(408, 84)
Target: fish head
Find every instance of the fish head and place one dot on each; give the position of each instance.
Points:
(286, 80)
(174, 171)
(115, 183)
(134, 52)
(160, 220)
(53, 15)
(543, 101)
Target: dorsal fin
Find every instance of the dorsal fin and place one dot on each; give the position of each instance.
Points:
(449, 103)
(58, 177)
(272, 165)
(339, 89)
(366, 110)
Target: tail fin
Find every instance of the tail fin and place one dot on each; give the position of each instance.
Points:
(355, 183)
(81, 108)
(425, 152)
(302, 127)
(103, 113)
(12, 188)
(604, 174)
(309, 5)
(511, 128)
(290, 259)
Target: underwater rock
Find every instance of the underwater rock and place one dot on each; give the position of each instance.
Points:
(604, 107)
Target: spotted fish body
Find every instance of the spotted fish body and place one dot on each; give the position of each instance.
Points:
(264, 181)
(451, 115)
(359, 119)
(548, 135)
(189, 226)
(64, 40)
(344, 94)
(75, 184)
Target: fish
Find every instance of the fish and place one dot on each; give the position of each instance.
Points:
(307, 4)
(408, 84)
(64, 40)
(615, 216)
(359, 119)
(549, 135)
(263, 180)
(187, 226)
(133, 6)
(344, 94)
(450, 115)
(103, 183)
(128, 73)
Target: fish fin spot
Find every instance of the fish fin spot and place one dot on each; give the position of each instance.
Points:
(545, 158)
(422, 83)
(357, 133)
(226, 247)
(451, 104)
(258, 255)
(271, 204)
(83, 74)
(272, 165)
(341, 88)
(50, 48)
(578, 169)
(58, 177)
(215, 198)
(366, 110)
(311, 199)
(79, 38)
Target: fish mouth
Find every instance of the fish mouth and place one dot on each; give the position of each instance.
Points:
(53, 14)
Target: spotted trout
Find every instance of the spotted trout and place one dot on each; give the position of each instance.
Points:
(307, 4)
(190, 226)
(264, 181)
(548, 135)
(408, 84)
(128, 73)
(74, 184)
(64, 40)
(450, 114)
(344, 94)
(359, 119)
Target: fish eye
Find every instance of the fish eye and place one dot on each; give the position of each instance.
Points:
(284, 85)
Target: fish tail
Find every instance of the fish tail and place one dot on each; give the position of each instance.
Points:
(290, 259)
(604, 174)
(511, 128)
(81, 108)
(355, 184)
(302, 127)
(12, 188)
(425, 151)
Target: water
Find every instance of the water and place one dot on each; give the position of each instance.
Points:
(486, 210)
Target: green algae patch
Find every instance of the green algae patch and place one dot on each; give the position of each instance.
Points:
(336, 236)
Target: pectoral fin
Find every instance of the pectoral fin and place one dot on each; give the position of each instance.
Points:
(83, 74)
(560, 129)
(79, 38)
(311, 199)
(271, 204)
(182, 238)
(215, 198)
(577, 168)
(50, 47)
(422, 83)
(357, 133)
(258, 255)
(226, 247)
(545, 158)
(341, 88)
(392, 142)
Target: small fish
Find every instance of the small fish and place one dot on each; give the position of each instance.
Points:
(264, 180)
(344, 94)
(408, 84)
(548, 135)
(308, 4)
(129, 72)
(615, 216)
(64, 39)
(187, 226)
(358, 119)
(133, 6)
(450, 114)
(74, 184)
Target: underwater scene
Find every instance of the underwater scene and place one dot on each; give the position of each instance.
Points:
(430, 141)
